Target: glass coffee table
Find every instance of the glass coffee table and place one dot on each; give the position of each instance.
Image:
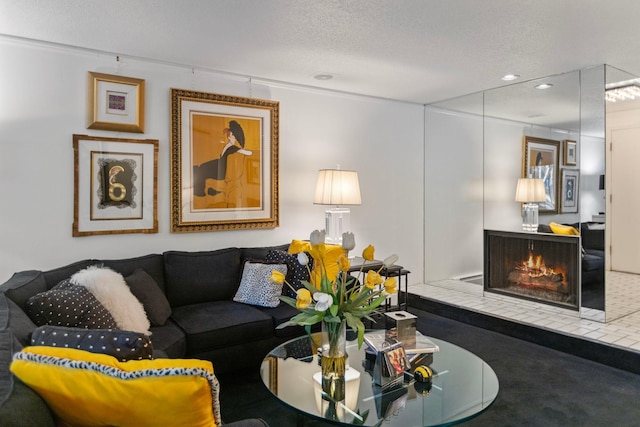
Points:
(463, 387)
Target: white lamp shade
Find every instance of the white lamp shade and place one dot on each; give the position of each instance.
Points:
(530, 190)
(337, 187)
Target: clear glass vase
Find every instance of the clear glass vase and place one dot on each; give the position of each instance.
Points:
(334, 366)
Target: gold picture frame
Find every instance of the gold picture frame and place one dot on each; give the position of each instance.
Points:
(569, 152)
(115, 103)
(115, 185)
(540, 160)
(224, 162)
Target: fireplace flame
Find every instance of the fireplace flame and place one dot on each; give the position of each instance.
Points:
(534, 266)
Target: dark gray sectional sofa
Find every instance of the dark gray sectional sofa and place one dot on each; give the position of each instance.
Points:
(205, 322)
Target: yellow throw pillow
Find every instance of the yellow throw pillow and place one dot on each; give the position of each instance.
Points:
(563, 229)
(89, 389)
(330, 255)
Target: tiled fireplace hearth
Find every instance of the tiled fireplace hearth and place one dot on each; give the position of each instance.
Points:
(536, 266)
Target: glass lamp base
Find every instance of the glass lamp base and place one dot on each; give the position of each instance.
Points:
(530, 217)
(337, 221)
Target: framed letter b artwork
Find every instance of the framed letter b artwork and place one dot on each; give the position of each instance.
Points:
(224, 162)
(115, 185)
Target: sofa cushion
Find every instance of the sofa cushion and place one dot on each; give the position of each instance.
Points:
(296, 272)
(110, 288)
(123, 345)
(592, 262)
(169, 339)
(69, 305)
(87, 389)
(281, 314)
(255, 286)
(220, 324)
(544, 228)
(147, 291)
(260, 253)
(152, 264)
(196, 277)
(53, 277)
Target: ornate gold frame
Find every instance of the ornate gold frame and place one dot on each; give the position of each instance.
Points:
(128, 116)
(191, 211)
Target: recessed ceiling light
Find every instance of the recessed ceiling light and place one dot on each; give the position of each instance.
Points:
(323, 77)
(543, 86)
(509, 77)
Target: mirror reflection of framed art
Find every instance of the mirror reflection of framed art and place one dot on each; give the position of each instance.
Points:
(569, 190)
(570, 153)
(540, 160)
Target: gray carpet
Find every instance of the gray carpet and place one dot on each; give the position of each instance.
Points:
(539, 386)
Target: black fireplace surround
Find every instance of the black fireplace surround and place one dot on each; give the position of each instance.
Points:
(535, 266)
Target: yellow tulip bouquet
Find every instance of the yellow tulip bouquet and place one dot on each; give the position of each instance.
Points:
(332, 300)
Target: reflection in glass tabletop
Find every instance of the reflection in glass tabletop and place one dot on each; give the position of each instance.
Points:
(463, 386)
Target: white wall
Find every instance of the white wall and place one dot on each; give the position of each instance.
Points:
(43, 104)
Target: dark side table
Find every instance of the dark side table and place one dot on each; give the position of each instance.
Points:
(360, 264)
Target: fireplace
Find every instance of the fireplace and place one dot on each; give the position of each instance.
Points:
(535, 266)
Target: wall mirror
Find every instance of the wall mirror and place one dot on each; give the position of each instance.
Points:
(572, 108)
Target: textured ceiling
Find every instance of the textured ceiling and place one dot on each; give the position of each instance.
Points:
(412, 50)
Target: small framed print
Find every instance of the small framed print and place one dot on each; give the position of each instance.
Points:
(570, 153)
(570, 190)
(115, 103)
(115, 184)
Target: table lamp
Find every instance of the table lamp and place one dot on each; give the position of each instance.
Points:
(530, 191)
(337, 187)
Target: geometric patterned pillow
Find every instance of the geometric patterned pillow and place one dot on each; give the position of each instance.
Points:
(123, 345)
(296, 272)
(255, 286)
(69, 305)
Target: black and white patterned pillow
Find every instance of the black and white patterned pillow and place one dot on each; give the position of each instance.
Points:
(69, 305)
(296, 272)
(255, 286)
(123, 345)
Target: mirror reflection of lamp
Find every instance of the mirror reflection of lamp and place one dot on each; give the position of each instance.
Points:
(337, 187)
(530, 191)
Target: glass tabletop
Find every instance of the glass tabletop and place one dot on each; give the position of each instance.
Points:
(463, 386)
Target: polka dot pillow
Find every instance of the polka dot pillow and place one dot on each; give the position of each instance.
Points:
(69, 305)
(255, 286)
(296, 272)
(123, 345)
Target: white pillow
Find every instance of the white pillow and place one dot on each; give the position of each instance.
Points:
(110, 288)
(255, 286)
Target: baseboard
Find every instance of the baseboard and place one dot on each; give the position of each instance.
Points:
(582, 347)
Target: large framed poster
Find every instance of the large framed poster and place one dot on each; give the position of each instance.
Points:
(224, 162)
